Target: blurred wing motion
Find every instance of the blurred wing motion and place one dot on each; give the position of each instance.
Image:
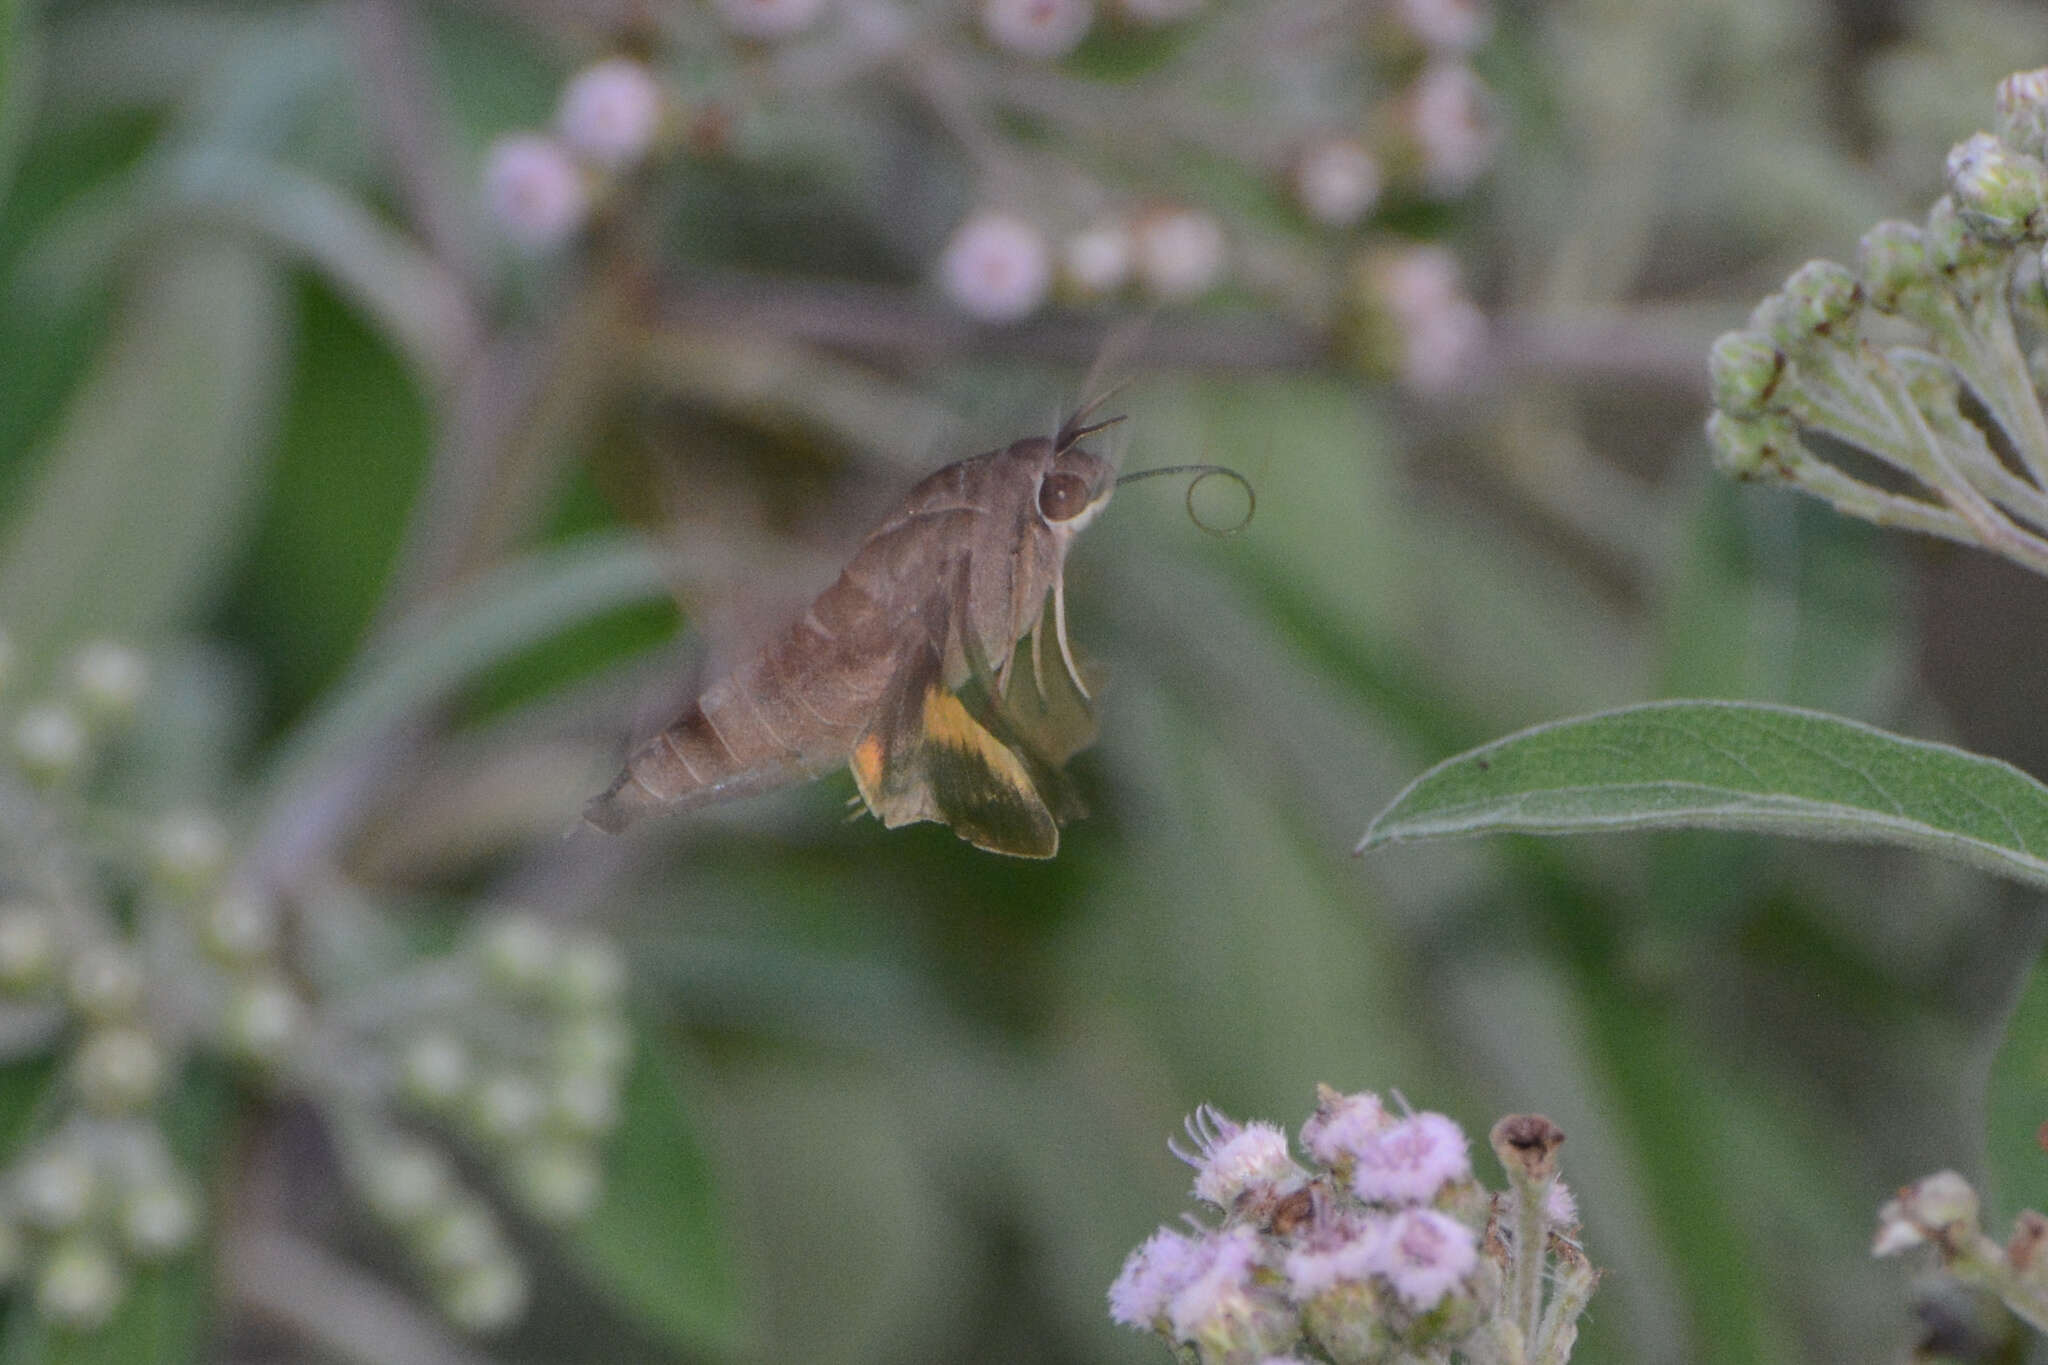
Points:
(906, 668)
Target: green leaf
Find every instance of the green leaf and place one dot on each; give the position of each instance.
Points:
(657, 1243)
(2016, 1106)
(1734, 766)
(135, 508)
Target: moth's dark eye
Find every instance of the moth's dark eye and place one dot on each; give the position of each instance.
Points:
(1062, 496)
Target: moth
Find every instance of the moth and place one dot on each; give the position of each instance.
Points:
(905, 669)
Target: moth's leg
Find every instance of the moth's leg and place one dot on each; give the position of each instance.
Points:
(1059, 626)
(1038, 655)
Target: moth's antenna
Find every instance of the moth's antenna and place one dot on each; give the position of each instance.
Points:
(1201, 472)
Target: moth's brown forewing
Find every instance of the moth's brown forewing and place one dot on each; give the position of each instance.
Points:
(906, 668)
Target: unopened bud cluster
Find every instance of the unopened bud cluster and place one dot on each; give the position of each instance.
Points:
(1925, 356)
(541, 187)
(526, 1067)
(1376, 1245)
(1073, 123)
(95, 1191)
(514, 1044)
(1941, 1212)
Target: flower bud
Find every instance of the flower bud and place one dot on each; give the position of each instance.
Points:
(588, 974)
(459, 1236)
(188, 851)
(2023, 111)
(54, 1188)
(262, 1019)
(1179, 253)
(435, 1070)
(769, 20)
(1096, 261)
(108, 679)
(518, 951)
(1746, 368)
(105, 983)
(1951, 246)
(1892, 262)
(28, 946)
(1820, 300)
(534, 190)
(79, 1285)
(118, 1070)
(1336, 181)
(2001, 195)
(583, 1104)
(1448, 115)
(405, 1182)
(157, 1220)
(486, 1297)
(996, 267)
(591, 1043)
(557, 1182)
(1751, 447)
(610, 112)
(1041, 29)
(49, 744)
(238, 927)
(506, 1107)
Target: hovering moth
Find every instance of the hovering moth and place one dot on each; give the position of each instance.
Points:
(905, 668)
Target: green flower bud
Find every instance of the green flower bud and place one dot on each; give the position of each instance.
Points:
(238, 927)
(188, 852)
(436, 1070)
(588, 975)
(105, 983)
(405, 1183)
(262, 1019)
(1746, 368)
(1893, 262)
(487, 1297)
(80, 1285)
(583, 1104)
(157, 1220)
(108, 679)
(54, 1189)
(557, 1182)
(1819, 301)
(28, 946)
(596, 1042)
(506, 1107)
(2023, 111)
(1750, 447)
(118, 1070)
(460, 1236)
(518, 953)
(2001, 195)
(49, 744)
(1951, 246)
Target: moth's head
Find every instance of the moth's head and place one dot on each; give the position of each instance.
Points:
(1073, 485)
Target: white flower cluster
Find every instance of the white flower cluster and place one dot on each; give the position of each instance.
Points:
(1373, 1251)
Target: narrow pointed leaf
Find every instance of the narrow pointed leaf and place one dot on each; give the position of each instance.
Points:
(1734, 766)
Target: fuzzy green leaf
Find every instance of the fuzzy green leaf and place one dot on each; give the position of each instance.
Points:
(1734, 766)
(656, 1244)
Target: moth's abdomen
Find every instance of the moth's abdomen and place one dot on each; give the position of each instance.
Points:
(790, 713)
